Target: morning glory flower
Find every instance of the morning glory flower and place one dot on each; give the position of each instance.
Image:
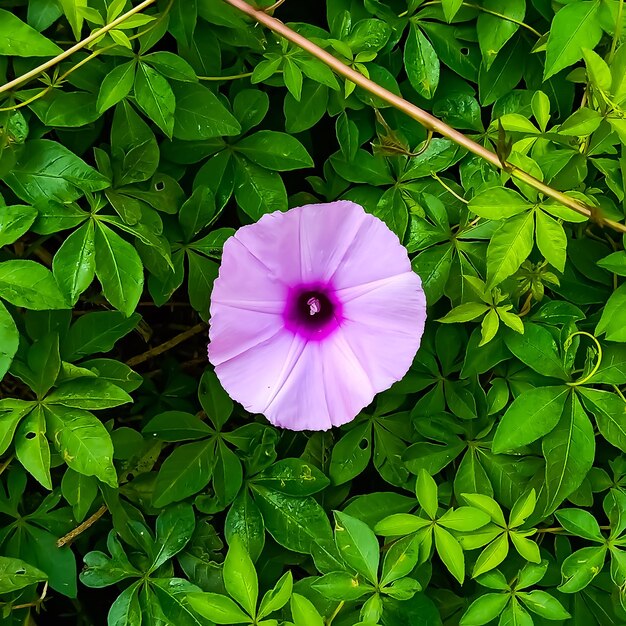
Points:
(314, 312)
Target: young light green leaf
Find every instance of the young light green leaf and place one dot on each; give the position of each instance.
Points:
(240, 578)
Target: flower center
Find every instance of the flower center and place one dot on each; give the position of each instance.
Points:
(312, 310)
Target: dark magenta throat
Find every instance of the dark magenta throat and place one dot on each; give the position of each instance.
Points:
(312, 311)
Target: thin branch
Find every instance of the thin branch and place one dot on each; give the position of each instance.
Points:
(231, 77)
(75, 48)
(88, 523)
(426, 119)
(168, 345)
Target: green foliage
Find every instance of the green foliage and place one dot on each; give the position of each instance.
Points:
(488, 486)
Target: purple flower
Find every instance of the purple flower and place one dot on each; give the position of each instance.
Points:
(314, 312)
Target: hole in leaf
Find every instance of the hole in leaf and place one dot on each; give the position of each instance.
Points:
(31, 435)
(20, 572)
(364, 444)
(130, 476)
(464, 51)
(159, 185)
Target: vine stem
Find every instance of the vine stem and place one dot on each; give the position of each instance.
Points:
(423, 117)
(75, 48)
(88, 523)
(168, 345)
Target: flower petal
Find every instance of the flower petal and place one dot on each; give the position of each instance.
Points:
(384, 324)
(373, 253)
(255, 376)
(275, 242)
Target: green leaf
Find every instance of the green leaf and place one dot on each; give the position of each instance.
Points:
(197, 212)
(184, 473)
(126, 610)
(464, 519)
(492, 555)
(16, 574)
(342, 586)
(450, 552)
(426, 492)
(240, 578)
(363, 168)
(83, 442)
(537, 349)
(217, 608)
(434, 266)
(244, 520)
(200, 114)
(30, 285)
(74, 264)
(257, 190)
(543, 604)
(173, 426)
(580, 523)
(202, 273)
(498, 203)
(275, 151)
(613, 319)
(214, 400)
(276, 598)
(156, 98)
(97, 331)
(569, 452)
(551, 240)
(574, 27)
(80, 491)
(44, 362)
(610, 413)
(358, 545)
(496, 25)
(171, 66)
(295, 523)
(464, 313)
(174, 528)
(46, 170)
(532, 415)
(581, 123)
(484, 609)
(421, 63)
(509, 247)
(522, 509)
(351, 454)
(304, 612)
(31, 447)
(88, 393)
(116, 86)
(580, 568)
(400, 559)
(302, 115)
(9, 340)
(15, 222)
(392, 210)
(293, 477)
(21, 40)
(486, 504)
(119, 270)
(134, 148)
(400, 524)
(451, 8)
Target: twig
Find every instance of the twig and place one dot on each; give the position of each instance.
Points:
(90, 521)
(168, 345)
(75, 48)
(6, 463)
(274, 6)
(426, 119)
